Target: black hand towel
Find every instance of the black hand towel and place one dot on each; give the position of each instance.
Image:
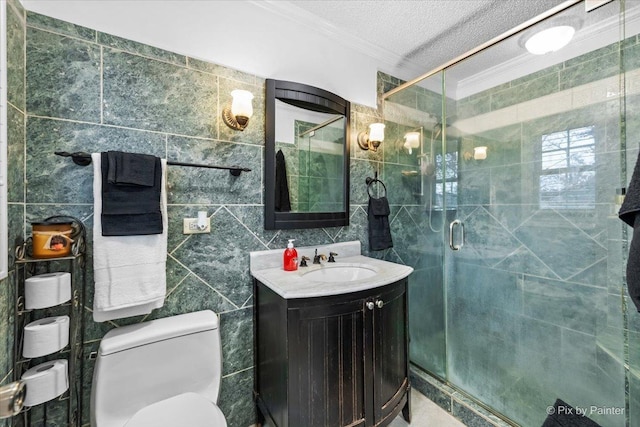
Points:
(283, 204)
(629, 213)
(379, 229)
(131, 169)
(129, 210)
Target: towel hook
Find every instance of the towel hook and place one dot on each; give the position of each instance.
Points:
(370, 181)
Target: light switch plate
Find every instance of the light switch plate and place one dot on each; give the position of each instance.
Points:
(190, 226)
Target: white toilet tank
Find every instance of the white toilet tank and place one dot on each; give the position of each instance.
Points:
(142, 364)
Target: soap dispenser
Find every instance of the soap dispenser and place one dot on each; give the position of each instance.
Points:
(290, 257)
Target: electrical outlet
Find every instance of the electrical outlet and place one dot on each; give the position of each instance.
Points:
(190, 226)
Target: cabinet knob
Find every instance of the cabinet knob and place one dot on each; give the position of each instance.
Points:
(379, 303)
(370, 305)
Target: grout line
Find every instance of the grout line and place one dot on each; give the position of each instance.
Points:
(101, 85)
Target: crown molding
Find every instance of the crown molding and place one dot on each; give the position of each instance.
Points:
(591, 38)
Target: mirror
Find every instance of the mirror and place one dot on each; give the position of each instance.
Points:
(306, 157)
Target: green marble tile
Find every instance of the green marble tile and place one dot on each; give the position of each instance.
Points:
(401, 189)
(63, 77)
(606, 51)
(405, 235)
(252, 217)
(473, 106)
(15, 59)
(6, 331)
(175, 214)
(222, 71)
(142, 93)
(527, 90)
(631, 57)
(190, 295)
(221, 258)
(119, 43)
(550, 243)
(58, 26)
(357, 228)
(308, 237)
(360, 170)
(236, 334)
(15, 229)
(590, 71)
(545, 72)
(430, 102)
(75, 183)
(236, 399)
(15, 155)
(213, 186)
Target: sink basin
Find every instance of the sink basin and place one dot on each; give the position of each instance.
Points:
(336, 273)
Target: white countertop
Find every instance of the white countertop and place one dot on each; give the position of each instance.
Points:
(293, 284)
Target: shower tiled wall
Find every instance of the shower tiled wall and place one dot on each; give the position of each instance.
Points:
(83, 90)
(548, 283)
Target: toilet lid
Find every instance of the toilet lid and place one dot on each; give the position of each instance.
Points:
(187, 409)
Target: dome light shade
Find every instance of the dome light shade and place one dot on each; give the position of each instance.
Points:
(550, 39)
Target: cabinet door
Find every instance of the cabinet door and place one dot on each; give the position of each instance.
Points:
(390, 352)
(326, 386)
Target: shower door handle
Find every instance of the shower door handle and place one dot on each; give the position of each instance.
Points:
(452, 225)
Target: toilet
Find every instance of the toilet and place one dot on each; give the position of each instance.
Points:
(161, 373)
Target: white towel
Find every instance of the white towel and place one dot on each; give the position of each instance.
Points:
(129, 271)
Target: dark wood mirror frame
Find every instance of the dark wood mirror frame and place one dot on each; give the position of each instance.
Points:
(314, 99)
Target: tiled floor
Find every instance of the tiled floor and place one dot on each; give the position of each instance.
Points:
(425, 413)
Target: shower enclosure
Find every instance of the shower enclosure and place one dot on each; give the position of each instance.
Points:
(518, 296)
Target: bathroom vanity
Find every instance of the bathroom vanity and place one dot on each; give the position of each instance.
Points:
(331, 342)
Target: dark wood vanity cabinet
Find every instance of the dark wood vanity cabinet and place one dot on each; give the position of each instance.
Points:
(331, 361)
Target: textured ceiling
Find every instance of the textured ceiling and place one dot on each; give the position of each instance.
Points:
(425, 33)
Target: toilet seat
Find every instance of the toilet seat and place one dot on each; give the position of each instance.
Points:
(187, 409)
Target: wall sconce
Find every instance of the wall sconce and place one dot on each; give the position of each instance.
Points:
(479, 153)
(372, 140)
(237, 117)
(411, 141)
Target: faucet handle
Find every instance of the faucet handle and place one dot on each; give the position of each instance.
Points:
(331, 256)
(303, 261)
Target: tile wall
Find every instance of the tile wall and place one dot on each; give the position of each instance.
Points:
(76, 89)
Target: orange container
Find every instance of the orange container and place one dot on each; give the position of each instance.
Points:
(51, 239)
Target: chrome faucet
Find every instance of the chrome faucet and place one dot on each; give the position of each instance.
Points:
(317, 258)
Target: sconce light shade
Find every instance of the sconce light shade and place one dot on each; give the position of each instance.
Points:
(237, 117)
(372, 140)
(411, 141)
(480, 153)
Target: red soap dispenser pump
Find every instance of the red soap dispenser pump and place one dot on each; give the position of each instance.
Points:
(290, 257)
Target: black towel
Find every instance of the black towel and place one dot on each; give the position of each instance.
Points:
(563, 415)
(131, 169)
(629, 213)
(379, 229)
(129, 210)
(283, 204)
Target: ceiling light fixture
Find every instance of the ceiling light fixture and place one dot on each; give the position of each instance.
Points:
(550, 39)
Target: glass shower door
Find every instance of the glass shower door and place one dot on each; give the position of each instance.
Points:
(532, 314)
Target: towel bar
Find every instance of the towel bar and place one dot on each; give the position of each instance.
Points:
(84, 159)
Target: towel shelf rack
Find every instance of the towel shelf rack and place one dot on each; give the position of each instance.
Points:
(84, 159)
